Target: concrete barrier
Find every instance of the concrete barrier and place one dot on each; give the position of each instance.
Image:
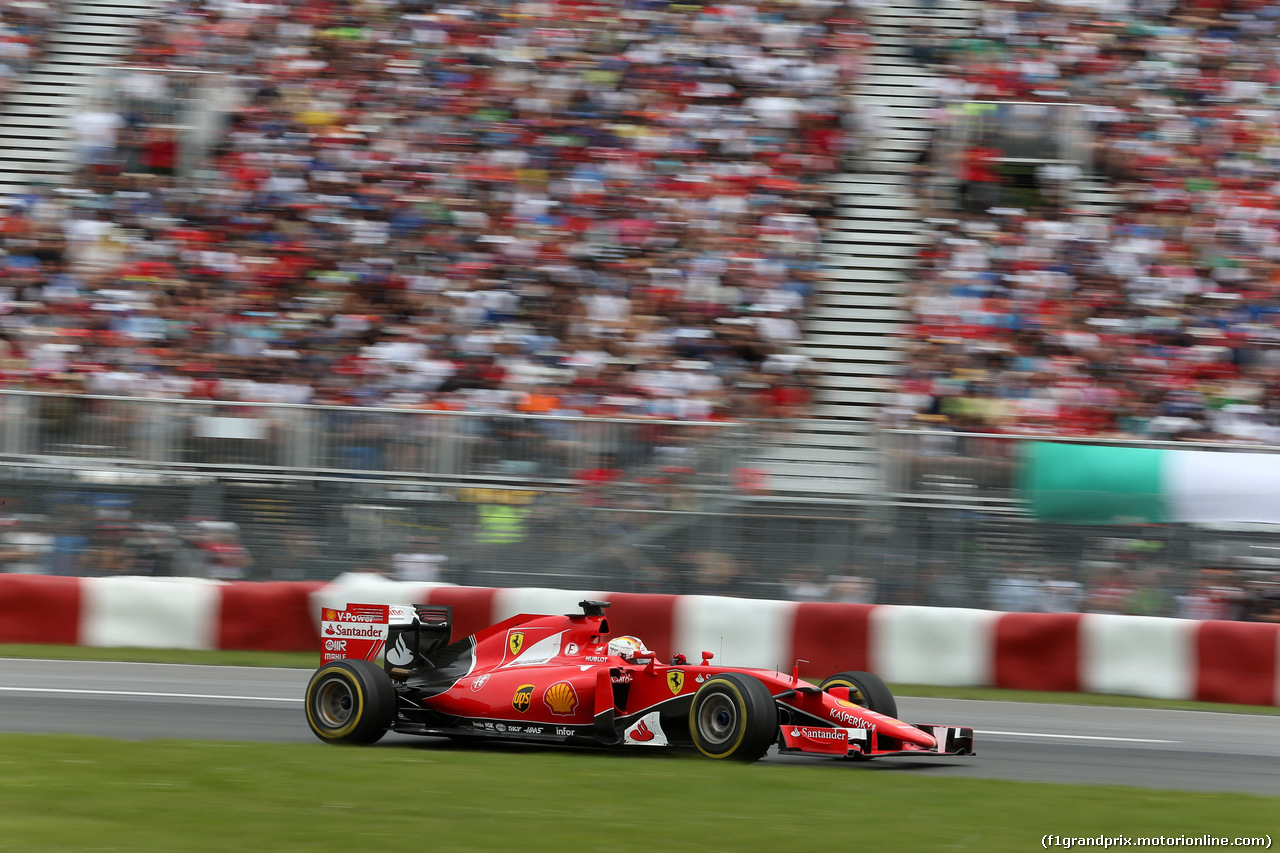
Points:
(1138, 655)
(1234, 662)
(951, 646)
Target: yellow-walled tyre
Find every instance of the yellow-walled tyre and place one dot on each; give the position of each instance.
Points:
(866, 690)
(350, 701)
(733, 716)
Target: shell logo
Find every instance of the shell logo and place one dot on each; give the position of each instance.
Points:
(330, 615)
(561, 698)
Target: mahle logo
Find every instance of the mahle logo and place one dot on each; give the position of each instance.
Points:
(524, 695)
(516, 642)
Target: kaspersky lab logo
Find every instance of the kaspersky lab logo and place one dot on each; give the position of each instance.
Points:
(524, 695)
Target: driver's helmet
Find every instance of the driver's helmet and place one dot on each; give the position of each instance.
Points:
(628, 648)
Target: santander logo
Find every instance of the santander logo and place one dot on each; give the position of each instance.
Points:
(400, 655)
(642, 732)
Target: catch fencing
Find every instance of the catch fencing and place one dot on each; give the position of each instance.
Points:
(959, 531)
(658, 536)
(654, 534)
(949, 529)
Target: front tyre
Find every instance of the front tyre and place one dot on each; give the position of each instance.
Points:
(350, 701)
(866, 690)
(733, 716)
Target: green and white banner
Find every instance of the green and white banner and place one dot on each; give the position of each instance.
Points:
(1098, 484)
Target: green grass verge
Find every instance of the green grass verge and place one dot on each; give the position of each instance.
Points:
(72, 793)
(308, 660)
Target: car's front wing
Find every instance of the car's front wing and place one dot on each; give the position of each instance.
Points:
(867, 743)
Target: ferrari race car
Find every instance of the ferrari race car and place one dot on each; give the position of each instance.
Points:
(566, 679)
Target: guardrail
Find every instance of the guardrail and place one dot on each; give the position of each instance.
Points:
(335, 439)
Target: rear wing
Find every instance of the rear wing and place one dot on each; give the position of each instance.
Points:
(358, 632)
(403, 634)
(406, 632)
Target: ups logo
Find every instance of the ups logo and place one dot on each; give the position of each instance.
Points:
(524, 695)
(675, 680)
(515, 642)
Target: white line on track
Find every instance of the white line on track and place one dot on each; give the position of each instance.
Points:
(1079, 737)
(158, 695)
(83, 692)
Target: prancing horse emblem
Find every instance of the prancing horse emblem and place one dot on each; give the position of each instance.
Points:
(515, 642)
(675, 680)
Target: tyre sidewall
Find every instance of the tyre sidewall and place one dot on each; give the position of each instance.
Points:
(722, 686)
(373, 702)
(876, 693)
(757, 717)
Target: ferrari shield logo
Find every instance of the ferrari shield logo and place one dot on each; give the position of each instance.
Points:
(675, 680)
(515, 642)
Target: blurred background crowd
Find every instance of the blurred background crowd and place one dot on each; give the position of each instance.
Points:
(613, 209)
(1158, 322)
(470, 208)
(24, 25)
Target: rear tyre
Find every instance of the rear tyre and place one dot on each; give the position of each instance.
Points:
(866, 690)
(350, 701)
(733, 716)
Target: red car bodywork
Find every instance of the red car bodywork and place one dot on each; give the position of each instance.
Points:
(552, 679)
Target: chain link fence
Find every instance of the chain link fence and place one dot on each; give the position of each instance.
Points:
(670, 529)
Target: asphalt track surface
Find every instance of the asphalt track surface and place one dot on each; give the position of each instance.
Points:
(1186, 750)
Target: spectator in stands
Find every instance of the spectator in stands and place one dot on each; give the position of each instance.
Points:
(26, 546)
(805, 583)
(96, 131)
(853, 589)
(1214, 595)
(1017, 589)
(420, 560)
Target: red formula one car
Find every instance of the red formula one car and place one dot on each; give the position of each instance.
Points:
(567, 679)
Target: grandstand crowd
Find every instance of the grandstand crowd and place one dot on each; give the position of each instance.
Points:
(562, 207)
(1158, 322)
